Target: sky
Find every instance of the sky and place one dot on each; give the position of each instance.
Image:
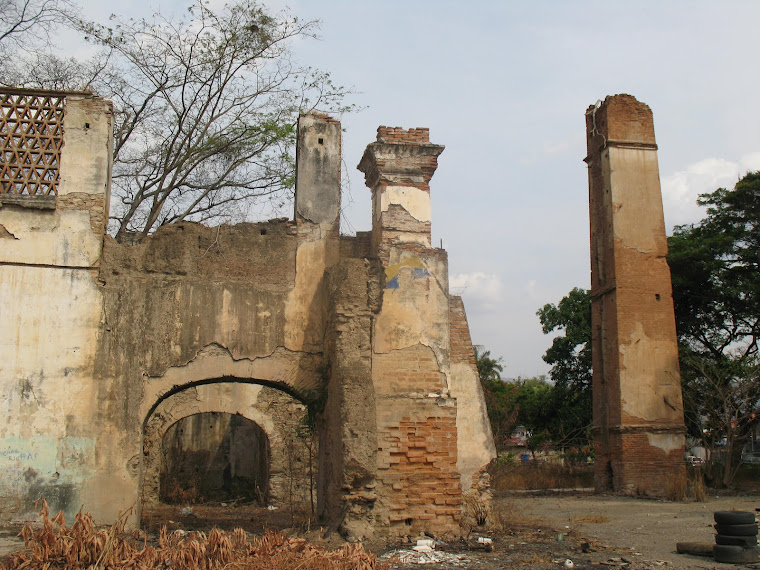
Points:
(504, 85)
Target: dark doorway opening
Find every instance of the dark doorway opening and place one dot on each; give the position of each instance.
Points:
(214, 456)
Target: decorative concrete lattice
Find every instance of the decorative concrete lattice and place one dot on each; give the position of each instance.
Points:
(31, 137)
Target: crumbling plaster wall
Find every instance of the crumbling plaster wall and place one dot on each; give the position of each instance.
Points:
(420, 478)
(51, 312)
(193, 304)
(111, 343)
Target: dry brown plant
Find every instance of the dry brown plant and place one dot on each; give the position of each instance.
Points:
(83, 545)
(676, 488)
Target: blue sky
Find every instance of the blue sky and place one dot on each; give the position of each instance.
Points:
(504, 86)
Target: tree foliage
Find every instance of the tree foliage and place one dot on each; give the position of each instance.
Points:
(498, 394)
(716, 273)
(570, 357)
(716, 291)
(205, 107)
(570, 353)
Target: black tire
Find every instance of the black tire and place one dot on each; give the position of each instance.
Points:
(736, 540)
(735, 554)
(737, 529)
(734, 517)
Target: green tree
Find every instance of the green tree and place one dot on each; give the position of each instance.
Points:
(534, 402)
(499, 396)
(716, 291)
(570, 357)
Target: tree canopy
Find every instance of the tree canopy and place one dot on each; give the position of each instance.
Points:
(716, 291)
(570, 357)
(205, 107)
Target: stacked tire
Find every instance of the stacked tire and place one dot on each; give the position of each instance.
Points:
(736, 538)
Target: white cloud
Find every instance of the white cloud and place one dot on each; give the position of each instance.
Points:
(480, 290)
(680, 189)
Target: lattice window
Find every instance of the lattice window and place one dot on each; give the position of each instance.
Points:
(31, 137)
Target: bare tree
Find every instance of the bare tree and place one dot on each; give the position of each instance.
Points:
(18, 19)
(723, 402)
(205, 108)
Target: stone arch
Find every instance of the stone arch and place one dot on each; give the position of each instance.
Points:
(295, 373)
(278, 414)
(268, 391)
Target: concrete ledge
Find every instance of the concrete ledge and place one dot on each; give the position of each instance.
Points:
(29, 201)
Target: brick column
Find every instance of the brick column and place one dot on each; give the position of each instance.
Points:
(397, 169)
(638, 408)
(418, 483)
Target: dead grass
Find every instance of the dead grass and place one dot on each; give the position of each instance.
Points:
(510, 476)
(689, 486)
(477, 511)
(677, 487)
(54, 546)
(508, 515)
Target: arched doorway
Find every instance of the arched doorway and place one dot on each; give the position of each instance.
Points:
(230, 445)
(214, 456)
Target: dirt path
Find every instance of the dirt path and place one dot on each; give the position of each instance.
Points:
(646, 529)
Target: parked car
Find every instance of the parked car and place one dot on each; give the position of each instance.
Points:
(694, 460)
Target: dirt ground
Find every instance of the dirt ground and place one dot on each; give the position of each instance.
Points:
(539, 531)
(643, 531)
(543, 531)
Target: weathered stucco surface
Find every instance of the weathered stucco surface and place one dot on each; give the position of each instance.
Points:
(638, 409)
(51, 310)
(106, 346)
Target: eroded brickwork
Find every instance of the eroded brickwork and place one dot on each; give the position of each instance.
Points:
(638, 409)
(417, 459)
(462, 351)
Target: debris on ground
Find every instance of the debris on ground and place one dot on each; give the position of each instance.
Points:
(405, 556)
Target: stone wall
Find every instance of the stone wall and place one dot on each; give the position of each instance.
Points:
(108, 345)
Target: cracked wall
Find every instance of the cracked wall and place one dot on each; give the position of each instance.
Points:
(51, 313)
(421, 399)
(638, 409)
(110, 344)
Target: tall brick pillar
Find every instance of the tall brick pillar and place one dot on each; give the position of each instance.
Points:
(638, 408)
(418, 482)
(398, 168)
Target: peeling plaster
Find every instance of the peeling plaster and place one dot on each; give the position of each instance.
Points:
(5, 234)
(49, 237)
(305, 308)
(649, 378)
(635, 182)
(666, 442)
(414, 200)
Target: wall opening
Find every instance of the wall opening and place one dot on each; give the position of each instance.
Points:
(227, 454)
(214, 456)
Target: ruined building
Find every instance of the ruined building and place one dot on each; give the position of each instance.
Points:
(114, 358)
(638, 408)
